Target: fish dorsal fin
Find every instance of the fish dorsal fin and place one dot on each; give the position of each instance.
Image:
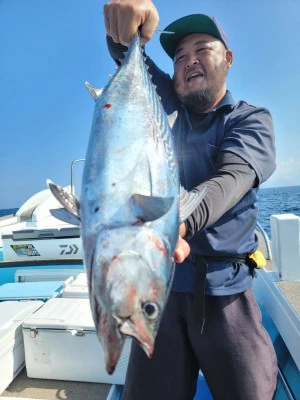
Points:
(188, 202)
(68, 200)
(150, 208)
(94, 92)
(63, 215)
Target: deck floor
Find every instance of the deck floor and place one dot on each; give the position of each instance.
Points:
(290, 289)
(46, 389)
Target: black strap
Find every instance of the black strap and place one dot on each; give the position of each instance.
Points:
(199, 292)
(200, 282)
(230, 257)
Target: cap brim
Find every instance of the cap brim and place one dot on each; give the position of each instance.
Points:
(196, 23)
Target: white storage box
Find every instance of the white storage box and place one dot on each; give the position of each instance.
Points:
(12, 358)
(61, 343)
(78, 288)
(285, 233)
(45, 274)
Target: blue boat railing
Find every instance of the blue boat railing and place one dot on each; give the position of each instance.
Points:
(285, 387)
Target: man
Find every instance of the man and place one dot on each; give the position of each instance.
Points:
(228, 147)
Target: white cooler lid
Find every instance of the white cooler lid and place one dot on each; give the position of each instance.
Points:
(30, 290)
(78, 288)
(81, 292)
(80, 280)
(12, 314)
(62, 313)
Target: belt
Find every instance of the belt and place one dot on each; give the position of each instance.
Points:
(231, 258)
(200, 282)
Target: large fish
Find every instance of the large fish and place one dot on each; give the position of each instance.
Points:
(130, 208)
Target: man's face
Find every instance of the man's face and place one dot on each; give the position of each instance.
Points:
(200, 68)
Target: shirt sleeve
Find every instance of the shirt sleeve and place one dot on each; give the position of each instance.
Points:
(116, 50)
(233, 177)
(250, 135)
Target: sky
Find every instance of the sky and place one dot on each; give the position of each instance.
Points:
(48, 49)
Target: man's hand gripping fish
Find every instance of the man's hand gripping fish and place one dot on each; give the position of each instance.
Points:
(130, 208)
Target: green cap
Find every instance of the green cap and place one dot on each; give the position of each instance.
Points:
(195, 23)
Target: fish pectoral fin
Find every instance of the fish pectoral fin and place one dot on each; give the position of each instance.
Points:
(188, 202)
(150, 208)
(64, 215)
(68, 200)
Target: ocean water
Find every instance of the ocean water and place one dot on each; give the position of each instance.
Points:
(7, 211)
(270, 201)
(284, 200)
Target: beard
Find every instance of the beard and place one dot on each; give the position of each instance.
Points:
(200, 100)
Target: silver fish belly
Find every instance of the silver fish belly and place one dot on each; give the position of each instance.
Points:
(129, 209)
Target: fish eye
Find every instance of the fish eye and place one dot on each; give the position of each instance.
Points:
(151, 310)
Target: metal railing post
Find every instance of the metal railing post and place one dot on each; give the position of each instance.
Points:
(72, 164)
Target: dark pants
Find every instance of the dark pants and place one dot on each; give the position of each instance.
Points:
(234, 352)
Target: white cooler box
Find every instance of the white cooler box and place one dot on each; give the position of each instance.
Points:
(61, 273)
(31, 290)
(12, 358)
(61, 343)
(78, 288)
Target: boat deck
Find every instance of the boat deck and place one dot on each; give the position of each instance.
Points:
(290, 289)
(46, 389)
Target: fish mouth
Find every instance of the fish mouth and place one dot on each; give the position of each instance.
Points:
(142, 337)
(148, 348)
(123, 323)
